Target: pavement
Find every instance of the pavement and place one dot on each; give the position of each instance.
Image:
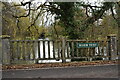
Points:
(99, 71)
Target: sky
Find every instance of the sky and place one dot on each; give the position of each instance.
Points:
(63, 0)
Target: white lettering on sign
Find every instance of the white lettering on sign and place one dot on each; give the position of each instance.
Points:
(80, 45)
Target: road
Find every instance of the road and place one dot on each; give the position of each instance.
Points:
(103, 71)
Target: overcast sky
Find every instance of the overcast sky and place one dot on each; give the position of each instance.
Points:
(92, 1)
(52, 0)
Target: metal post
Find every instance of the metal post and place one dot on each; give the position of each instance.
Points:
(63, 50)
(109, 48)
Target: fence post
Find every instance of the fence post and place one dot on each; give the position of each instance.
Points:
(112, 47)
(63, 50)
(5, 50)
(0, 51)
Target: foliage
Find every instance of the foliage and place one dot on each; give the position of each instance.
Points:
(69, 16)
(17, 28)
(8, 22)
(77, 23)
(55, 32)
(66, 16)
(71, 20)
(100, 31)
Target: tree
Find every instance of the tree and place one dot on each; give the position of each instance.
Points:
(61, 11)
(17, 28)
(8, 22)
(65, 13)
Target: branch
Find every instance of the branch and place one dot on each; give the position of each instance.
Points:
(23, 4)
(86, 12)
(36, 30)
(29, 9)
(97, 16)
(29, 4)
(55, 30)
(91, 7)
(118, 3)
(113, 15)
(46, 18)
(84, 5)
(35, 19)
(18, 24)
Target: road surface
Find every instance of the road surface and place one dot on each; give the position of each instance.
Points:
(103, 71)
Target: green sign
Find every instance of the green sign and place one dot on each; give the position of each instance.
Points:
(87, 45)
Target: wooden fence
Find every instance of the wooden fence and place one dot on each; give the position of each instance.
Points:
(35, 50)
